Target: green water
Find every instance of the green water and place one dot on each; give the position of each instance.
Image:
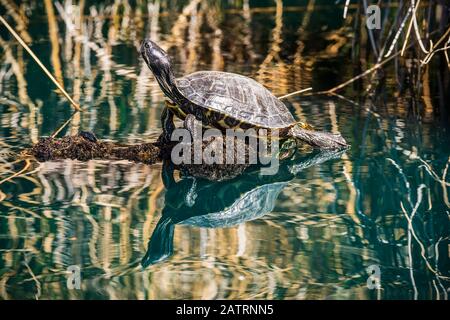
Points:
(310, 232)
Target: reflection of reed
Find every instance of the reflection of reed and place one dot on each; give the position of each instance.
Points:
(192, 43)
(54, 38)
(273, 70)
(20, 19)
(247, 39)
(24, 99)
(212, 17)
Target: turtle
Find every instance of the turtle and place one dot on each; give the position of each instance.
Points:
(226, 100)
(89, 136)
(199, 202)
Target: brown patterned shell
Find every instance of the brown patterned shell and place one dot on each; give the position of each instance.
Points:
(235, 96)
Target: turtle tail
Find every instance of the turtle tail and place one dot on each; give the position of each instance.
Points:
(160, 246)
(319, 139)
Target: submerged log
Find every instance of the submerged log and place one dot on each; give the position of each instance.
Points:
(85, 146)
(80, 148)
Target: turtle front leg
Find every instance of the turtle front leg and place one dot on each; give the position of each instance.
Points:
(167, 174)
(167, 125)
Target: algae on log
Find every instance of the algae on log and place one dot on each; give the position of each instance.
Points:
(80, 148)
(86, 146)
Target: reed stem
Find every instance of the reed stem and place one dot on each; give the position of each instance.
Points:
(25, 46)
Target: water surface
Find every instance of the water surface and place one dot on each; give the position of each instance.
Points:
(321, 228)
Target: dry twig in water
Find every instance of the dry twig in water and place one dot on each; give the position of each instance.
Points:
(25, 46)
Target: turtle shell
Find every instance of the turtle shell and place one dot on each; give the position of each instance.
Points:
(249, 206)
(237, 97)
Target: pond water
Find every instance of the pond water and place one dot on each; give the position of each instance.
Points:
(308, 233)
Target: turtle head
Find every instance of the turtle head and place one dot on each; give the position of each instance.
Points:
(155, 57)
(159, 63)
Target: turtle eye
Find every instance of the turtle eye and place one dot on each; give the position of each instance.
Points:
(147, 46)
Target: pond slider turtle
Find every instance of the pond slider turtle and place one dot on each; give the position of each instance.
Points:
(227, 101)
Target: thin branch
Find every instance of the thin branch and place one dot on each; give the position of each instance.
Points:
(409, 27)
(63, 125)
(365, 73)
(25, 46)
(347, 3)
(397, 35)
(25, 168)
(294, 93)
(36, 281)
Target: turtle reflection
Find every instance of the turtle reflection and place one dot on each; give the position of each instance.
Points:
(202, 203)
